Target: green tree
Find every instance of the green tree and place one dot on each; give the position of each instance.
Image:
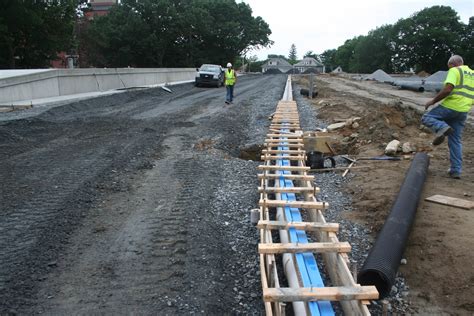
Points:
(276, 56)
(345, 54)
(175, 33)
(467, 43)
(33, 32)
(374, 51)
(328, 58)
(312, 54)
(292, 56)
(427, 39)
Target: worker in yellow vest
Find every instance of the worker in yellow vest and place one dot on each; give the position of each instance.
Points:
(449, 117)
(229, 80)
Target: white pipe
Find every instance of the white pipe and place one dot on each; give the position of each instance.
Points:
(289, 265)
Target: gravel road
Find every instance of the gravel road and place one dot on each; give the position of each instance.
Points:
(134, 203)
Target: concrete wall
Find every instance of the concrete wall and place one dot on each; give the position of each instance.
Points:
(59, 82)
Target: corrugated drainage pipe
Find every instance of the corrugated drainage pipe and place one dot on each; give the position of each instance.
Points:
(383, 261)
(416, 88)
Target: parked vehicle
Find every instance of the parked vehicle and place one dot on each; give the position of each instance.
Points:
(211, 75)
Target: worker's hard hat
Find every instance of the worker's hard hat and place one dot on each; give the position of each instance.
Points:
(229, 65)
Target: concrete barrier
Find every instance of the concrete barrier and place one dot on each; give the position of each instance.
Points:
(59, 82)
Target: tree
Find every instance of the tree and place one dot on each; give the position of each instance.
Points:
(276, 56)
(328, 59)
(33, 32)
(177, 33)
(311, 54)
(345, 54)
(427, 39)
(292, 56)
(374, 51)
(467, 43)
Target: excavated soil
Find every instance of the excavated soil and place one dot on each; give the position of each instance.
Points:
(438, 274)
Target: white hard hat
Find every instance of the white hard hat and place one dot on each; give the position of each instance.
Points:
(229, 65)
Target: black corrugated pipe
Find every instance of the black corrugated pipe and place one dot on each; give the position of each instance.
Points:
(383, 261)
(416, 88)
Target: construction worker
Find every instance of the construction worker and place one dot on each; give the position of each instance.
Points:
(229, 80)
(449, 117)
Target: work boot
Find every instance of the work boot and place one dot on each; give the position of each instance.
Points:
(441, 134)
(454, 175)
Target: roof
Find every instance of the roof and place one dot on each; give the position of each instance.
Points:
(308, 62)
(277, 62)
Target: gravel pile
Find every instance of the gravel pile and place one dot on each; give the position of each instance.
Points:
(379, 75)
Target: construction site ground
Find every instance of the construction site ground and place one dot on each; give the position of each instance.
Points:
(439, 253)
(138, 203)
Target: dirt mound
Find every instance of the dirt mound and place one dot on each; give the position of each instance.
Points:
(423, 74)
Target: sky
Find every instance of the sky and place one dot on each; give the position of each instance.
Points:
(319, 25)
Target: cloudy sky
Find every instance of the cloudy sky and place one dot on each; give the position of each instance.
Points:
(320, 25)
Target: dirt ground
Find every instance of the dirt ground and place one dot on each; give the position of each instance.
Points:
(439, 269)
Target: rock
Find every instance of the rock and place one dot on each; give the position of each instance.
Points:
(346, 139)
(335, 126)
(396, 135)
(354, 135)
(355, 125)
(407, 148)
(403, 261)
(392, 147)
(423, 135)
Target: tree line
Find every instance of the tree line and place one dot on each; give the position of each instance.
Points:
(424, 41)
(135, 33)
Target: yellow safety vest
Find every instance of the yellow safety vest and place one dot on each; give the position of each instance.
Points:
(462, 96)
(229, 77)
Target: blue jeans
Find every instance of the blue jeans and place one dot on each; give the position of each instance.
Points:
(440, 117)
(230, 93)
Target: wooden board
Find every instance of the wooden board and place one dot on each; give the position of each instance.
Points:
(276, 151)
(341, 293)
(319, 247)
(299, 177)
(306, 226)
(296, 204)
(286, 189)
(283, 168)
(450, 201)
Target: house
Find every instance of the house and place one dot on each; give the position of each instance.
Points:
(310, 65)
(276, 65)
(337, 70)
(99, 8)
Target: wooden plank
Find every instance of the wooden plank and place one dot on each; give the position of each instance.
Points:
(287, 135)
(284, 139)
(317, 247)
(282, 144)
(301, 177)
(296, 204)
(286, 189)
(274, 158)
(283, 151)
(306, 226)
(340, 293)
(283, 168)
(451, 201)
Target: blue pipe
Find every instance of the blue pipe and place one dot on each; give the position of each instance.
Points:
(307, 265)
